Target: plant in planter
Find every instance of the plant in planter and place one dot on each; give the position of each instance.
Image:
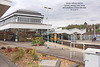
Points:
(41, 41)
(38, 41)
(34, 43)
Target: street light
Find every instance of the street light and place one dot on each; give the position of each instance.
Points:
(47, 29)
(47, 8)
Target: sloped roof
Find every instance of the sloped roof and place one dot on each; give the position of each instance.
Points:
(91, 33)
(27, 12)
(71, 31)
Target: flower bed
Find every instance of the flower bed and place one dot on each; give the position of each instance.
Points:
(26, 58)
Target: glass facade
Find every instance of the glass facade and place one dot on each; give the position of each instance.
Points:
(29, 20)
(21, 19)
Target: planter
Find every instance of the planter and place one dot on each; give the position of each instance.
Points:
(34, 44)
(37, 44)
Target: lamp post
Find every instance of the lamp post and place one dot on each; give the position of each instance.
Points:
(47, 8)
(47, 29)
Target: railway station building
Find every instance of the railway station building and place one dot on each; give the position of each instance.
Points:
(22, 25)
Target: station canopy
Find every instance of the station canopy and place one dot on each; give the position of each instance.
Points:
(25, 26)
(71, 31)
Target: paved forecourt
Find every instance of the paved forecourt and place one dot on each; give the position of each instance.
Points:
(54, 50)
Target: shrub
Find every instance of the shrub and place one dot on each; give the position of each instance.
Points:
(34, 51)
(22, 51)
(38, 40)
(9, 49)
(35, 57)
(41, 41)
(3, 47)
(28, 50)
(16, 49)
(18, 55)
(34, 42)
(44, 55)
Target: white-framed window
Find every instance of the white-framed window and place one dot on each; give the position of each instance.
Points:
(29, 20)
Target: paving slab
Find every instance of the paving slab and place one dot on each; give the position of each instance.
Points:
(50, 63)
(5, 62)
(2, 63)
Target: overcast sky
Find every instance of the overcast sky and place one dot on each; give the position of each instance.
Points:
(59, 16)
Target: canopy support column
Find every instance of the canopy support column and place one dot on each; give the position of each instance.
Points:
(55, 38)
(89, 37)
(74, 49)
(70, 50)
(4, 35)
(83, 52)
(62, 40)
(74, 43)
(42, 33)
(16, 37)
(48, 38)
(81, 37)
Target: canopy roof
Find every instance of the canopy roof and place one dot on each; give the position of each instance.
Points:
(24, 11)
(25, 26)
(71, 31)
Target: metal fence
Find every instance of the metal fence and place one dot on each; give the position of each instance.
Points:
(89, 37)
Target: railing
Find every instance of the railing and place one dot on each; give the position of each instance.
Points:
(90, 37)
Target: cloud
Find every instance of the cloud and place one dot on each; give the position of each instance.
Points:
(59, 16)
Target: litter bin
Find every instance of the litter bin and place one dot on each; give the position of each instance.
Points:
(92, 57)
